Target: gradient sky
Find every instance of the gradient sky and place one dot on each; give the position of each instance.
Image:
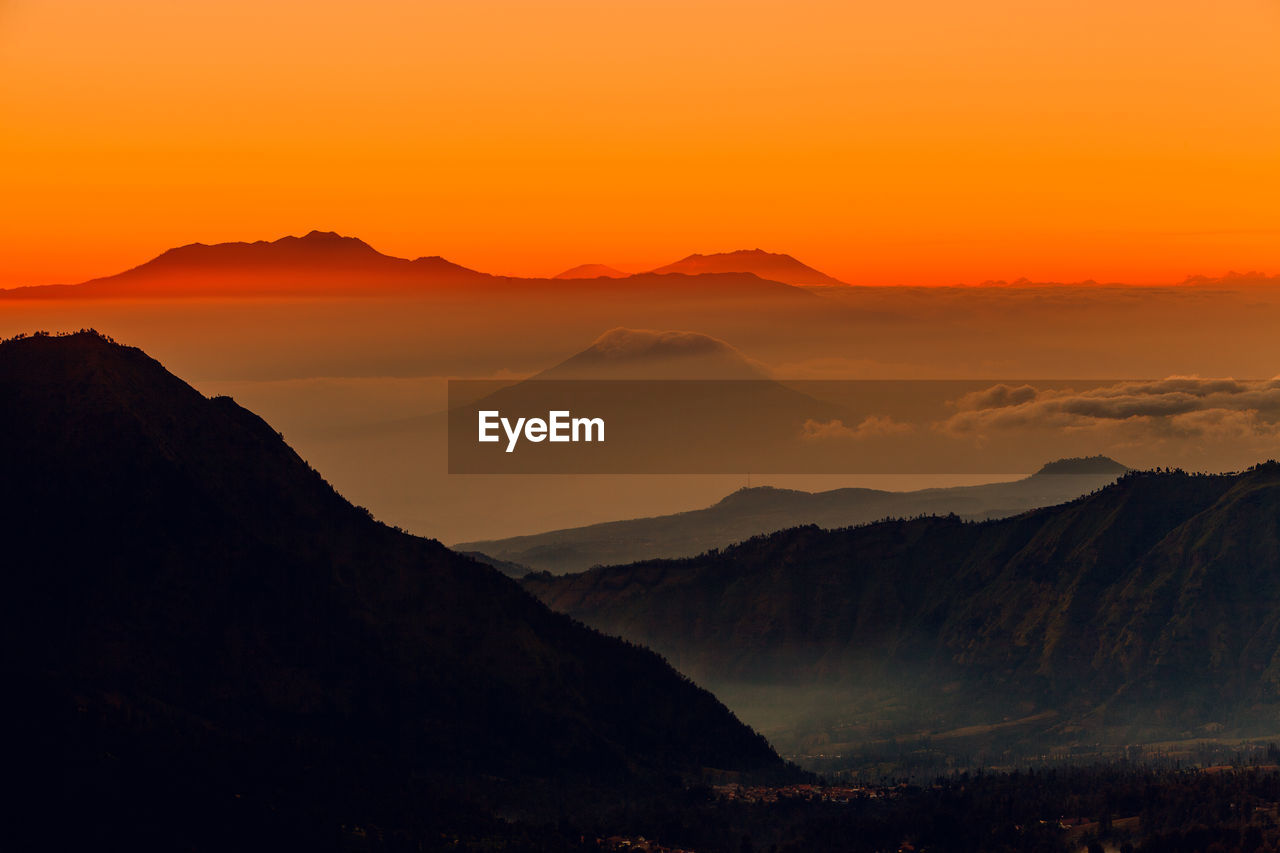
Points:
(927, 142)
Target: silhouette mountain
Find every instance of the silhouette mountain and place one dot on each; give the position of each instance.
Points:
(591, 271)
(209, 644)
(674, 400)
(1084, 466)
(648, 354)
(1152, 605)
(320, 262)
(752, 511)
(775, 267)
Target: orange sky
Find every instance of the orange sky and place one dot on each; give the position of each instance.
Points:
(919, 142)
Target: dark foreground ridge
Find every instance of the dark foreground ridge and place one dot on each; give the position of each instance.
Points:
(210, 647)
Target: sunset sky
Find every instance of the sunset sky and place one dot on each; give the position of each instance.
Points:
(924, 142)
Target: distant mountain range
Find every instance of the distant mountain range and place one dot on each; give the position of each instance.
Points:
(320, 262)
(752, 511)
(205, 644)
(1149, 609)
(323, 263)
(768, 265)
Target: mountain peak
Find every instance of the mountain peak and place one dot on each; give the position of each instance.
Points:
(327, 240)
(288, 249)
(1083, 465)
(743, 253)
(81, 353)
(767, 265)
(591, 271)
(319, 263)
(623, 353)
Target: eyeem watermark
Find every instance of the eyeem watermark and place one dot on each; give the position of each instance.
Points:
(865, 426)
(559, 426)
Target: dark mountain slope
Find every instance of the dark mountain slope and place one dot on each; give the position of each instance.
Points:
(1158, 594)
(1206, 600)
(191, 614)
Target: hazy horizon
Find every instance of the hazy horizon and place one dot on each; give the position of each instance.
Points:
(1230, 274)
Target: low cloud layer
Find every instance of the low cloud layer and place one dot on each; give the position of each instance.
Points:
(1186, 407)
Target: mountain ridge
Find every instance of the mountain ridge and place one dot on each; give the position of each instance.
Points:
(325, 263)
(749, 512)
(319, 262)
(225, 622)
(1149, 606)
(780, 267)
